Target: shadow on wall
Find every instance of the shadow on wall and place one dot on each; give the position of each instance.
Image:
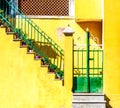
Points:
(47, 50)
(107, 102)
(95, 28)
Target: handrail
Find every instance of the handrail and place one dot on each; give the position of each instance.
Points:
(32, 35)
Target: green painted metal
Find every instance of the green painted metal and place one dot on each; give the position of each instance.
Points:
(96, 84)
(87, 61)
(91, 59)
(88, 67)
(32, 35)
(80, 84)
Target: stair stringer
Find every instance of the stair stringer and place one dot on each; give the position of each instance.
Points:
(24, 83)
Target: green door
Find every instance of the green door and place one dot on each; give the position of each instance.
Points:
(88, 67)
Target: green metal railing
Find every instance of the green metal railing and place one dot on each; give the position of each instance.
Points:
(33, 36)
(88, 67)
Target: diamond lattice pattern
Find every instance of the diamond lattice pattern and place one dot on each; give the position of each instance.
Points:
(44, 7)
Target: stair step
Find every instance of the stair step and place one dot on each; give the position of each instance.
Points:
(2, 26)
(17, 39)
(44, 65)
(9, 33)
(30, 52)
(89, 105)
(23, 45)
(37, 58)
(88, 96)
(88, 100)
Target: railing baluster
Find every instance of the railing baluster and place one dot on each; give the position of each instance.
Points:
(82, 61)
(93, 62)
(34, 33)
(98, 61)
(26, 26)
(38, 35)
(28, 31)
(31, 32)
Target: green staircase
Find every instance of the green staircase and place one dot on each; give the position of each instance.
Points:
(32, 37)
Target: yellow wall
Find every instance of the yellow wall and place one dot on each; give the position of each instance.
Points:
(22, 87)
(88, 9)
(95, 28)
(23, 83)
(50, 26)
(91, 10)
(112, 52)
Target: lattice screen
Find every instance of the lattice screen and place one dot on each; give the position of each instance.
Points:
(44, 7)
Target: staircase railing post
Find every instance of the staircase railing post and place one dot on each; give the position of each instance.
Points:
(68, 58)
(87, 58)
